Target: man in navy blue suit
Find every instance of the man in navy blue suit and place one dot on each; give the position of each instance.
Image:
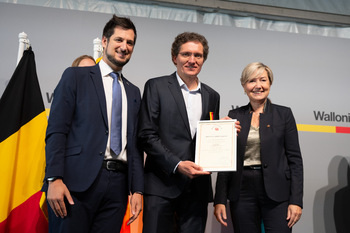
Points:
(87, 182)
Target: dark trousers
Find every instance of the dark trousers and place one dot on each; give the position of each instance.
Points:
(184, 214)
(100, 209)
(253, 206)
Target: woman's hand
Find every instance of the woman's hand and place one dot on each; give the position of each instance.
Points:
(293, 215)
(237, 124)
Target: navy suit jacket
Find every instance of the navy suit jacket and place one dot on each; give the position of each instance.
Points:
(280, 156)
(77, 131)
(164, 132)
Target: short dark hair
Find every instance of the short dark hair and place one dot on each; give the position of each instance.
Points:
(187, 37)
(122, 22)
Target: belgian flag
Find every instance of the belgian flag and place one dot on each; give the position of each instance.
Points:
(23, 124)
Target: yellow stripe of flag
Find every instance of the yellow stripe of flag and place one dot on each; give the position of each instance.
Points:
(25, 163)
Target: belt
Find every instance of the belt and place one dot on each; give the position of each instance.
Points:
(253, 167)
(115, 165)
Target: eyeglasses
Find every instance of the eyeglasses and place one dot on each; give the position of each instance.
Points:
(188, 54)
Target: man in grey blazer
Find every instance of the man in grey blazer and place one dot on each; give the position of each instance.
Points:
(87, 181)
(176, 189)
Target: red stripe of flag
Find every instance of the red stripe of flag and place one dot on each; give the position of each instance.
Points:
(25, 217)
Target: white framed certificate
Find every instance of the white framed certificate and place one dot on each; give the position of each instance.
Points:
(216, 145)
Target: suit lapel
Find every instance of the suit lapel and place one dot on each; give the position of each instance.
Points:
(129, 96)
(96, 77)
(205, 103)
(127, 90)
(245, 122)
(266, 125)
(179, 99)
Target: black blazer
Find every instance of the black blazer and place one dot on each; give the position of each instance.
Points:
(164, 132)
(280, 156)
(77, 131)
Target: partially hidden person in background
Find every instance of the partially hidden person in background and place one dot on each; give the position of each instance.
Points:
(84, 60)
(92, 159)
(268, 183)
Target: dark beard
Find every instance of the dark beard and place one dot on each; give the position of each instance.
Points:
(115, 62)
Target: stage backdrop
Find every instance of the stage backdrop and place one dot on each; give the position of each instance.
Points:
(311, 76)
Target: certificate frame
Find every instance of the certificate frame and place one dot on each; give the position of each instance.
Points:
(216, 145)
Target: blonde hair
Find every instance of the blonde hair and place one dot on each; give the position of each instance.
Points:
(77, 61)
(254, 70)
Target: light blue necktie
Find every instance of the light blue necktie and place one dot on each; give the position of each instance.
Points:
(116, 122)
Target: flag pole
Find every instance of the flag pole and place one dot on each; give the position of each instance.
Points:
(97, 48)
(24, 44)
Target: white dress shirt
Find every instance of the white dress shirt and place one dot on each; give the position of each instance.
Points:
(193, 102)
(108, 88)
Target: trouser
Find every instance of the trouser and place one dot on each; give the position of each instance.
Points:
(253, 206)
(100, 209)
(184, 214)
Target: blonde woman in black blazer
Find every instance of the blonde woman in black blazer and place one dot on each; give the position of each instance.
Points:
(268, 183)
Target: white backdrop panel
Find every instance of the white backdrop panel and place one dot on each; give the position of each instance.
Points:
(311, 74)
